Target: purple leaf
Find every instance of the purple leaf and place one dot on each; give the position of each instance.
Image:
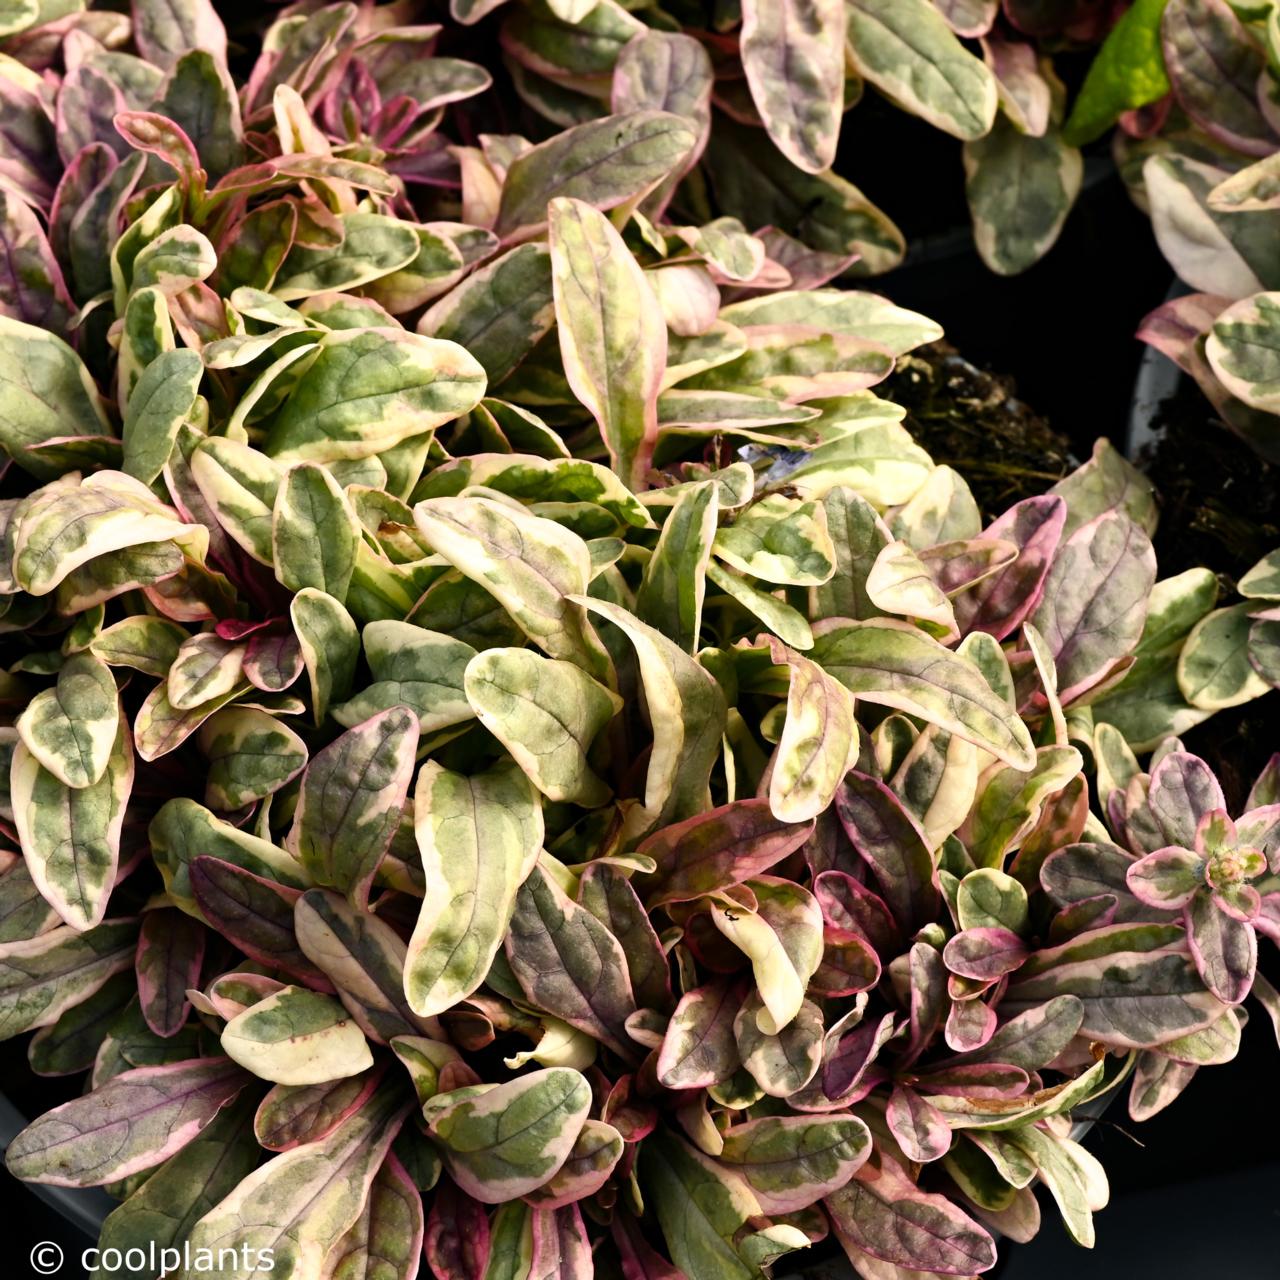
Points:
(170, 954)
(1214, 65)
(561, 1249)
(927, 978)
(1094, 601)
(976, 1080)
(970, 1025)
(883, 1213)
(1182, 790)
(31, 285)
(849, 964)
(920, 1129)
(848, 904)
(843, 1071)
(569, 964)
(133, 1122)
(1225, 950)
(293, 1114)
(984, 954)
(699, 1048)
(256, 914)
(1001, 603)
(887, 836)
(607, 893)
(717, 850)
(456, 1244)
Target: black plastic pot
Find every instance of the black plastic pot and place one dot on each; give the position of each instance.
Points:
(1158, 380)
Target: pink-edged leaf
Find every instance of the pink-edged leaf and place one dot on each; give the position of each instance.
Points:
(133, 1122)
(1175, 327)
(1137, 982)
(1214, 65)
(890, 840)
(1030, 1040)
(883, 1213)
(699, 1048)
(456, 1244)
(793, 57)
(1225, 950)
(353, 793)
(1001, 603)
(927, 993)
(1085, 873)
(919, 1128)
(230, 994)
(976, 1080)
(844, 1070)
(31, 285)
(386, 1240)
(595, 1154)
(1094, 601)
(984, 954)
(970, 1024)
(1167, 878)
(1259, 828)
(1182, 790)
(273, 661)
(632, 1116)
(293, 1114)
(1269, 998)
(1267, 921)
(847, 903)
(170, 954)
(1265, 791)
(717, 850)
(608, 894)
(968, 18)
(561, 1248)
(256, 914)
(569, 964)
(161, 137)
(1157, 1081)
(808, 268)
(791, 1162)
(849, 964)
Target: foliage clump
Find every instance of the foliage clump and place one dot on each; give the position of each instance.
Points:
(514, 754)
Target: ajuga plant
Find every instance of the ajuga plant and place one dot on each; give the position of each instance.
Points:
(514, 757)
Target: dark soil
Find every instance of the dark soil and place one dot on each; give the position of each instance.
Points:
(1219, 502)
(972, 420)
